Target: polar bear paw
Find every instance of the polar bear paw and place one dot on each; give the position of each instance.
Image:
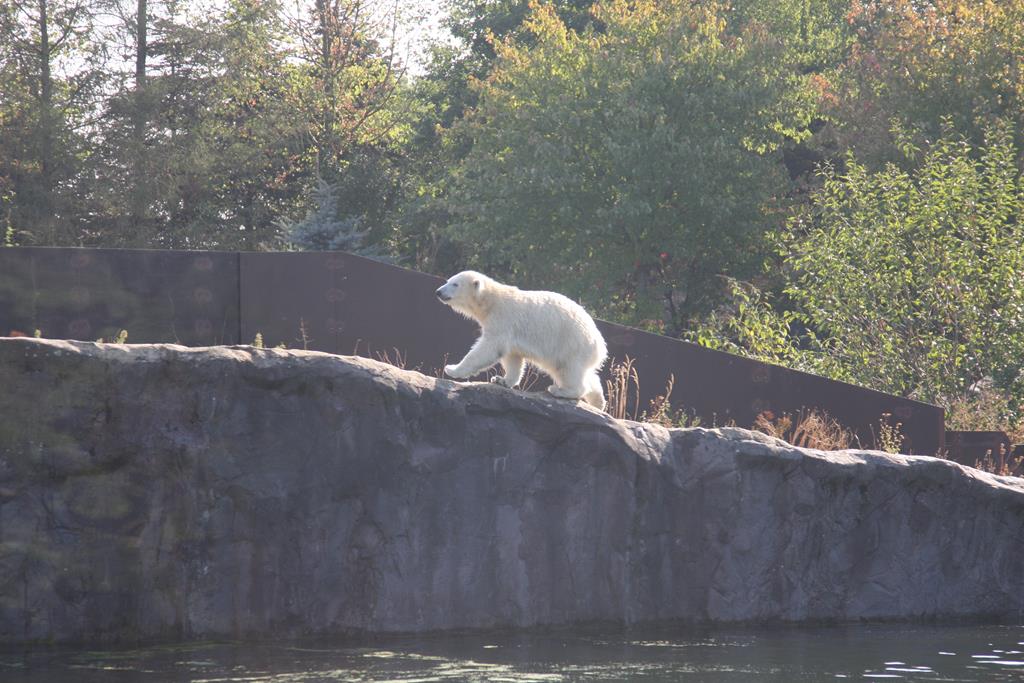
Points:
(500, 381)
(561, 392)
(453, 371)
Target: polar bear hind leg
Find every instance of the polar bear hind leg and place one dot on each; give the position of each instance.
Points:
(567, 382)
(572, 392)
(577, 382)
(595, 393)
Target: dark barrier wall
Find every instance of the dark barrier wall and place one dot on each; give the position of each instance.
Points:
(722, 387)
(350, 305)
(157, 296)
(345, 304)
(969, 448)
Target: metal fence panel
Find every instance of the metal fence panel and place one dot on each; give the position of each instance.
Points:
(157, 296)
(345, 304)
(970, 448)
(723, 388)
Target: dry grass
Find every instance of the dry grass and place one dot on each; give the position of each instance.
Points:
(660, 411)
(809, 429)
(531, 375)
(438, 372)
(399, 359)
(1001, 463)
(623, 390)
(303, 334)
(623, 396)
(890, 435)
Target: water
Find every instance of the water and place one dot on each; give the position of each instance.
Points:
(828, 653)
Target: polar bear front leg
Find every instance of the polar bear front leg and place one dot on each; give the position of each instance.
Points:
(480, 357)
(513, 365)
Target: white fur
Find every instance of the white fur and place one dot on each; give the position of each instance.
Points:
(546, 329)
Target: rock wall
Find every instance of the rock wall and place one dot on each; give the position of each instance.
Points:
(163, 492)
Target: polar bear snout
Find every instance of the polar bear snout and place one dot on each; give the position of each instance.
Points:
(441, 295)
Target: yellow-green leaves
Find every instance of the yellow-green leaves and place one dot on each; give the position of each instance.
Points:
(629, 164)
(904, 281)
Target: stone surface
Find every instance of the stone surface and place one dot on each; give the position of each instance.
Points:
(161, 492)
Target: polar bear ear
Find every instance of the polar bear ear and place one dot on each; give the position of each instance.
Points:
(478, 284)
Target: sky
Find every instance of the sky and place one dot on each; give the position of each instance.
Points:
(422, 24)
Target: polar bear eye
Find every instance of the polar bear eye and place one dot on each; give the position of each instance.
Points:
(455, 285)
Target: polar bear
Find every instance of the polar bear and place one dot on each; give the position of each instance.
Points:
(546, 329)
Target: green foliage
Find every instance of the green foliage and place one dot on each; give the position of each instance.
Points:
(909, 281)
(629, 167)
(446, 93)
(222, 139)
(912, 276)
(918, 63)
(817, 30)
(988, 408)
(247, 165)
(49, 84)
(749, 324)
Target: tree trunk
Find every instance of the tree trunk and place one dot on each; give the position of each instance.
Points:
(140, 184)
(45, 210)
(328, 28)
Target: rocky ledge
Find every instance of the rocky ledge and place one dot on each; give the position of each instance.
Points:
(163, 492)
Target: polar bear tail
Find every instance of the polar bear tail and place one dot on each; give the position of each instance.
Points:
(594, 394)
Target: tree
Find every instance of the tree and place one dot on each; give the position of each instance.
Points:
(445, 94)
(816, 30)
(140, 111)
(49, 77)
(221, 153)
(160, 88)
(630, 166)
(904, 281)
(13, 99)
(257, 163)
(325, 227)
(347, 91)
(916, 63)
(348, 98)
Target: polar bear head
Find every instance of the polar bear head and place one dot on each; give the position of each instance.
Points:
(465, 292)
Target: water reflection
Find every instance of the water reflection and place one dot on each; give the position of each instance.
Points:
(906, 653)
